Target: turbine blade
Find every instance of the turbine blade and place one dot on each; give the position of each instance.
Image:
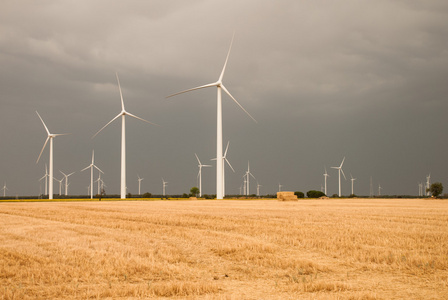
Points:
(343, 174)
(227, 148)
(252, 176)
(58, 134)
(45, 144)
(89, 166)
(48, 132)
(63, 173)
(197, 158)
(71, 174)
(93, 156)
(121, 94)
(337, 168)
(107, 124)
(227, 58)
(134, 116)
(228, 93)
(342, 163)
(229, 164)
(207, 165)
(196, 88)
(98, 169)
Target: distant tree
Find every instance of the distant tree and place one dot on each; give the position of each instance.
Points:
(299, 194)
(129, 195)
(185, 195)
(335, 196)
(194, 191)
(436, 189)
(314, 194)
(146, 195)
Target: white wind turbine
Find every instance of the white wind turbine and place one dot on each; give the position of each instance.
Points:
(428, 181)
(220, 182)
(4, 190)
(339, 172)
(248, 174)
(139, 183)
(200, 174)
(325, 179)
(50, 137)
(46, 179)
(352, 179)
(91, 166)
(122, 114)
(66, 181)
(258, 189)
(379, 189)
(60, 185)
(280, 187)
(164, 184)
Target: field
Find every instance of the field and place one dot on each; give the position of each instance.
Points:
(311, 249)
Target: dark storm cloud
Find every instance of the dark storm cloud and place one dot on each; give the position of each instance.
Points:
(324, 79)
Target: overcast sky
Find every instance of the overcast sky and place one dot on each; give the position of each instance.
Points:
(365, 80)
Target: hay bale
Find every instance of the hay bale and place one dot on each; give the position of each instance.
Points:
(193, 198)
(286, 196)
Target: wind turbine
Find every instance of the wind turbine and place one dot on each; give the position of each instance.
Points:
(352, 179)
(247, 176)
(325, 179)
(200, 174)
(280, 187)
(339, 172)
(50, 137)
(4, 190)
(223, 169)
(122, 114)
(164, 184)
(66, 181)
(139, 183)
(60, 185)
(428, 180)
(220, 182)
(258, 189)
(379, 189)
(91, 166)
(46, 179)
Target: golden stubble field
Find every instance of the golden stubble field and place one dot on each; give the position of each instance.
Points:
(311, 249)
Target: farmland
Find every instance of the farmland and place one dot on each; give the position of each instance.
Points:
(225, 249)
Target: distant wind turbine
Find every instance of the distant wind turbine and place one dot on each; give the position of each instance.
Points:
(139, 183)
(258, 189)
(379, 189)
(248, 174)
(220, 182)
(66, 181)
(280, 187)
(164, 184)
(4, 190)
(46, 179)
(91, 166)
(60, 185)
(325, 179)
(199, 177)
(352, 179)
(122, 114)
(339, 172)
(50, 137)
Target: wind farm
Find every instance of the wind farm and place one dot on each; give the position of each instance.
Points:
(301, 90)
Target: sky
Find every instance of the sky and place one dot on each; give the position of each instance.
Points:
(364, 80)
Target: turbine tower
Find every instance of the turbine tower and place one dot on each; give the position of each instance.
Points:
(91, 166)
(258, 189)
(220, 182)
(325, 179)
(139, 183)
(122, 114)
(60, 185)
(379, 189)
(200, 174)
(50, 137)
(224, 168)
(428, 184)
(66, 181)
(352, 179)
(339, 172)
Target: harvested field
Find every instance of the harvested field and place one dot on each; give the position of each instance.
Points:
(228, 249)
